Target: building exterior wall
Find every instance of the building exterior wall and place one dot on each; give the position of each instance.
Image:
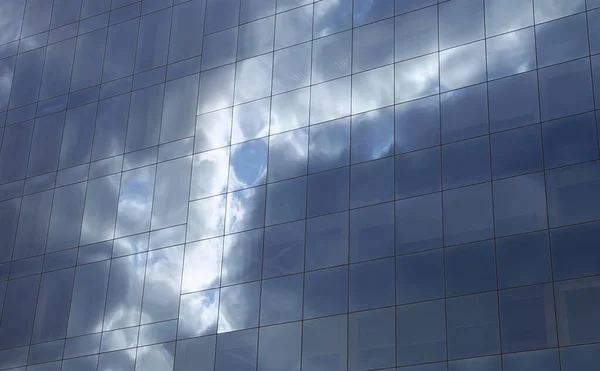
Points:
(298, 185)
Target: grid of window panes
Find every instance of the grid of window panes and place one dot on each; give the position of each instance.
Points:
(286, 185)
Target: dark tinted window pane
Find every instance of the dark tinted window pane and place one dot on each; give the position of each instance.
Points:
(514, 101)
(562, 40)
(461, 22)
(281, 300)
(45, 145)
(372, 232)
(577, 306)
(220, 48)
(221, 14)
(507, 15)
(452, 62)
(511, 53)
(570, 140)
(153, 42)
(284, 249)
(541, 359)
(373, 44)
(371, 339)
(7, 69)
(583, 358)
(89, 53)
(120, 50)
(416, 33)
(111, 124)
(19, 311)
(9, 216)
(419, 277)
(252, 201)
(468, 214)
(195, 354)
(237, 351)
(288, 155)
(328, 192)
(466, 162)
(188, 22)
(242, 257)
(57, 69)
(572, 196)
(238, 310)
(464, 113)
(26, 79)
(523, 260)
(14, 16)
(53, 307)
(421, 330)
(78, 136)
(508, 162)
(67, 213)
(256, 38)
(470, 269)
(89, 293)
(332, 16)
(324, 344)
(179, 109)
(248, 164)
(418, 173)
(366, 12)
(527, 318)
(33, 225)
(293, 27)
(565, 89)
(329, 145)
(326, 292)
(372, 183)
(473, 326)
(327, 241)
(145, 114)
(419, 224)
(254, 9)
(484, 363)
(417, 124)
(574, 251)
(520, 204)
(372, 284)
(372, 135)
(593, 19)
(286, 201)
(279, 347)
(15, 149)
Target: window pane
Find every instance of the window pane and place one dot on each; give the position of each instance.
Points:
(572, 196)
(237, 351)
(372, 135)
(576, 311)
(212, 208)
(330, 100)
(256, 38)
(417, 124)
(421, 330)
(464, 113)
(371, 339)
(153, 43)
(570, 140)
(514, 101)
(209, 173)
(366, 12)
(551, 9)
(284, 249)
(507, 15)
(242, 257)
(418, 173)
(372, 232)
(324, 344)
(89, 53)
(286, 201)
(461, 22)
(221, 14)
(466, 162)
(179, 109)
(372, 183)
(57, 69)
(331, 57)
(520, 204)
(326, 292)
(379, 83)
(484, 363)
(373, 44)
(135, 201)
(198, 314)
(87, 303)
(53, 305)
(329, 145)
(120, 50)
(470, 268)
(220, 48)
(416, 33)
(195, 354)
(238, 310)
(279, 347)
(527, 318)
(417, 78)
(511, 53)
(293, 27)
(565, 89)
(253, 78)
(216, 89)
(327, 241)
(419, 277)
(473, 328)
(541, 359)
(574, 252)
(26, 79)
(523, 260)
(188, 22)
(213, 130)
(562, 40)
(328, 192)
(452, 62)
(248, 164)
(45, 144)
(291, 68)
(468, 214)
(245, 210)
(288, 155)
(281, 300)
(372, 284)
(419, 224)
(289, 110)
(171, 193)
(580, 358)
(508, 162)
(111, 126)
(202, 265)
(144, 118)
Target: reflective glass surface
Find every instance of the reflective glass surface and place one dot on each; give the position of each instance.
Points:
(299, 185)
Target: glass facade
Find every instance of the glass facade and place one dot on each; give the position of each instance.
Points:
(299, 185)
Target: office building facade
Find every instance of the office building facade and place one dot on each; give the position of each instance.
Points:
(299, 185)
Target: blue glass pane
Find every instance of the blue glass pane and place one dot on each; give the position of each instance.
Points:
(372, 135)
(570, 140)
(460, 22)
(507, 15)
(562, 40)
(416, 32)
(520, 204)
(468, 214)
(536, 360)
(328, 192)
(324, 344)
(581, 358)
(419, 277)
(372, 182)
(279, 347)
(572, 196)
(508, 162)
(574, 251)
(418, 173)
(237, 351)
(372, 284)
(326, 292)
(421, 330)
(511, 53)
(476, 364)
(366, 12)
(466, 162)
(371, 340)
(527, 318)
(327, 241)
(464, 113)
(417, 124)
(514, 101)
(372, 232)
(329, 145)
(473, 328)
(577, 308)
(286, 201)
(470, 268)
(419, 224)
(284, 249)
(523, 260)
(452, 62)
(281, 300)
(242, 257)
